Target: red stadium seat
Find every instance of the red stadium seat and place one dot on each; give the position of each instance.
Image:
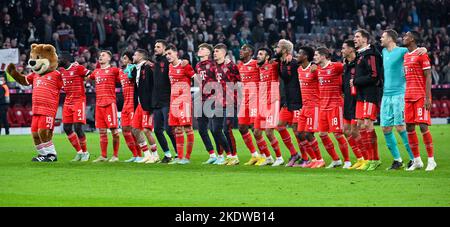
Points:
(19, 113)
(28, 115)
(12, 119)
(16, 114)
(435, 108)
(445, 108)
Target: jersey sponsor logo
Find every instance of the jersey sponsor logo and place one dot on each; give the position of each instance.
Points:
(178, 71)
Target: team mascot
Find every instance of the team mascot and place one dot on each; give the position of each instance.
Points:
(47, 83)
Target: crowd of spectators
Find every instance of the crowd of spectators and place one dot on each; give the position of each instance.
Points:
(83, 27)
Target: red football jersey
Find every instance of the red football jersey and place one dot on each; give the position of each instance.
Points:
(207, 72)
(180, 79)
(309, 84)
(415, 65)
(330, 85)
(46, 88)
(105, 84)
(228, 73)
(269, 81)
(127, 91)
(250, 78)
(249, 71)
(73, 79)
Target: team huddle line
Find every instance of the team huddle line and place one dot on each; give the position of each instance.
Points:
(267, 91)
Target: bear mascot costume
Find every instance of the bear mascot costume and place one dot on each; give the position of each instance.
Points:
(47, 83)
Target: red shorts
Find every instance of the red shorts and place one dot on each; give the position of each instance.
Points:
(247, 114)
(331, 120)
(350, 122)
(291, 117)
(142, 119)
(39, 122)
(75, 113)
(308, 120)
(126, 117)
(268, 121)
(181, 115)
(366, 110)
(106, 116)
(415, 112)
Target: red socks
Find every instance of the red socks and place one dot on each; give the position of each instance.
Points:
(262, 146)
(190, 143)
(248, 140)
(129, 139)
(414, 143)
(104, 143)
(362, 144)
(428, 140)
(302, 149)
(138, 147)
(342, 146)
(329, 147)
(308, 149)
(116, 142)
(354, 144)
(374, 141)
(73, 138)
(276, 147)
(286, 137)
(179, 139)
(367, 143)
(314, 145)
(83, 143)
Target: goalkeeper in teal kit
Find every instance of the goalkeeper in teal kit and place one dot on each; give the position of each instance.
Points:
(393, 102)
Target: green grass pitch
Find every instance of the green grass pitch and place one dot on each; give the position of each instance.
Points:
(23, 183)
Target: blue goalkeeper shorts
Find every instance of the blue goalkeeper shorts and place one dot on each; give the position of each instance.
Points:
(392, 111)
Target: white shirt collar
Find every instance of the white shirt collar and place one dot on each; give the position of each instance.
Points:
(307, 67)
(364, 49)
(138, 66)
(413, 51)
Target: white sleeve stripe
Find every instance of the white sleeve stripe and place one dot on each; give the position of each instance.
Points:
(429, 67)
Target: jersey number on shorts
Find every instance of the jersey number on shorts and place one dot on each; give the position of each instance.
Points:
(334, 122)
(49, 122)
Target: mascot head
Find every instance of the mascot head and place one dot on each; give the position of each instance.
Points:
(43, 58)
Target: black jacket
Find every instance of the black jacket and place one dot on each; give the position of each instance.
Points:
(290, 93)
(349, 99)
(161, 83)
(143, 87)
(369, 75)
